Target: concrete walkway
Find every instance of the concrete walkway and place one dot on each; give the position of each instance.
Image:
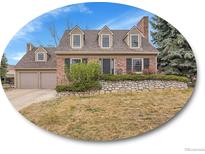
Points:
(21, 98)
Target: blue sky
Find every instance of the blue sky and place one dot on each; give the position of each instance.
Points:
(85, 15)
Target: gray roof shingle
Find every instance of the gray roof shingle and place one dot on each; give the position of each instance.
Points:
(28, 60)
(91, 42)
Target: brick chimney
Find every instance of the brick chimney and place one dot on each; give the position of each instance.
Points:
(29, 47)
(143, 26)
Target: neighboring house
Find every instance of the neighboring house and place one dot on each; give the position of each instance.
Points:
(118, 51)
(10, 75)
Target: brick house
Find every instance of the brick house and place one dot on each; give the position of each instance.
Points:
(118, 52)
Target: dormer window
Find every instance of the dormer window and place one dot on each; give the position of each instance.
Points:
(134, 41)
(76, 43)
(105, 41)
(40, 56)
(105, 38)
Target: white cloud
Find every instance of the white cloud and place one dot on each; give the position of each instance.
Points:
(29, 28)
(37, 23)
(125, 21)
(73, 8)
(17, 56)
(84, 9)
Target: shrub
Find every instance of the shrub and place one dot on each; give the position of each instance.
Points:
(136, 77)
(84, 72)
(78, 72)
(79, 86)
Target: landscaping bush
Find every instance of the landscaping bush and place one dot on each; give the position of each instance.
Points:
(79, 86)
(136, 77)
(84, 72)
(83, 77)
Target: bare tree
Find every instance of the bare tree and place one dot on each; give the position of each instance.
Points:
(68, 24)
(53, 32)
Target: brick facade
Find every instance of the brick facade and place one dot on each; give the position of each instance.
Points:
(120, 63)
(143, 27)
(60, 70)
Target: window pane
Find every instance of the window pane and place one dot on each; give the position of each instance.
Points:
(106, 66)
(40, 56)
(134, 40)
(75, 61)
(67, 61)
(105, 41)
(76, 40)
(85, 60)
(129, 65)
(146, 63)
(112, 66)
(137, 65)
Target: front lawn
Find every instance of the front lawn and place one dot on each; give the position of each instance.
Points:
(108, 116)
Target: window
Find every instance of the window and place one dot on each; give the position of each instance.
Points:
(40, 56)
(137, 65)
(134, 41)
(146, 63)
(69, 61)
(105, 41)
(76, 60)
(134, 65)
(76, 41)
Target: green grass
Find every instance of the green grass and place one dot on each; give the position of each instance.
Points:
(109, 116)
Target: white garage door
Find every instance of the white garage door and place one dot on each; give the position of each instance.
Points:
(28, 80)
(48, 80)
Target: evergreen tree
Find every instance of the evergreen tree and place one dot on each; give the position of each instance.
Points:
(3, 67)
(176, 56)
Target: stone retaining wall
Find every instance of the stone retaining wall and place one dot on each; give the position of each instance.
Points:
(130, 86)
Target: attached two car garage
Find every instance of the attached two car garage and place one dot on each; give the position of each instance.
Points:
(36, 79)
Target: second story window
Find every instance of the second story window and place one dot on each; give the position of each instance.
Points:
(105, 41)
(76, 41)
(40, 56)
(134, 41)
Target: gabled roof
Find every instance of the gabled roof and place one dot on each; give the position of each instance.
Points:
(91, 42)
(90, 46)
(105, 27)
(134, 27)
(41, 49)
(28, 60)
(76, 27)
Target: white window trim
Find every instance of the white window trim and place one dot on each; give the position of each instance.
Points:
(138, 36)
(73, 41)
(44, 56)
(102, 41)
(142, 59)
(74, 59)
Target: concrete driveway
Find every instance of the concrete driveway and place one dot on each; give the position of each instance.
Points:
(21, 98)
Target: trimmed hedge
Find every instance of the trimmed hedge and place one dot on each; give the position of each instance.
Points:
(95, 85)
(79, 86)
(138, 77)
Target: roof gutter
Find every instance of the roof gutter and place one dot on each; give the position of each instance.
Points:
(104, 53)
(35, 68)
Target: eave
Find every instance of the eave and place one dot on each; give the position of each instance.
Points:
(105, 53)
(32, 68)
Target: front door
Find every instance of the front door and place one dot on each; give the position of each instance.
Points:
(106, 66)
